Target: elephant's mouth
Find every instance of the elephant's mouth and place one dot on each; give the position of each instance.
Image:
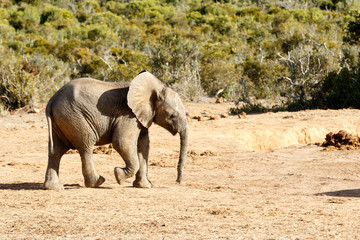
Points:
(174, 132)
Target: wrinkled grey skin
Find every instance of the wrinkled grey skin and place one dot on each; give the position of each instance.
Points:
(88, 112)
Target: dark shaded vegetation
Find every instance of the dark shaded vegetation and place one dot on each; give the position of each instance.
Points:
(296, 54)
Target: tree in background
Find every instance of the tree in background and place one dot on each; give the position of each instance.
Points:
(352, 35)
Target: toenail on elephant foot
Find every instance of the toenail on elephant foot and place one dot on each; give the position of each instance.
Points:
(93, 183)
(100, 181)
(120, 175)
(53, 186)
(142, 184)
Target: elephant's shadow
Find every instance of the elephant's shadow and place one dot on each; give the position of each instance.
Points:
(21, 186)
(355, 193)
(31, 186)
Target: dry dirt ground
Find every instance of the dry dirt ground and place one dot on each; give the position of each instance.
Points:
(256, 178)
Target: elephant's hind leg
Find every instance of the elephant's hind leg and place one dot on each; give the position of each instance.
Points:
(92, 179)
(52, 171)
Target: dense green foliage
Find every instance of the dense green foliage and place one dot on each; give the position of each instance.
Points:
(293, 51)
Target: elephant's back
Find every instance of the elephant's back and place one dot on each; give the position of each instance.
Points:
(86, 90)
(92, 86)
(99, 83)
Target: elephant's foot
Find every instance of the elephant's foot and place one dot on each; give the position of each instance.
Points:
(94, 182)
(120, 175)
(52, 186)
(142, 183)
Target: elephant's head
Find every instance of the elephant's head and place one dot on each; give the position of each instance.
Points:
(151, 101)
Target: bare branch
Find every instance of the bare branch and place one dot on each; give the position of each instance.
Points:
(106, 63)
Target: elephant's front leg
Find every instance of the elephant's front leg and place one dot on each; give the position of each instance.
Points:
(126, 145)
(141, 180)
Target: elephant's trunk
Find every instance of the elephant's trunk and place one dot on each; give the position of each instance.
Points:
(184, 140)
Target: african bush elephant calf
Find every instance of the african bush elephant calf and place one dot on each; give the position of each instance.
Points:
(87, 112)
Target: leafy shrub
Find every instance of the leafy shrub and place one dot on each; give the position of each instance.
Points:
(82, 16)
(6, 31)
(26, 17)
(65, 50)
(20, 80)
(127, 57)
(95, 32)
(195, 18)
(339, 90)
(111, 20)
(352, 35)
(250, 108)
(17, 86)
(115, 7)
(15, 45)
(3, 13)
(88, 6)
(41, 45)
(57, 17)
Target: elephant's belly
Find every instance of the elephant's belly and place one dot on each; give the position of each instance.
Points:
(105, 139)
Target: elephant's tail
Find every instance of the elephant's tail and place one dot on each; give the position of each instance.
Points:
(48, 118)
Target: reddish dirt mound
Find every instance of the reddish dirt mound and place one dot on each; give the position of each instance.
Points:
(105, 149)
(341, 140)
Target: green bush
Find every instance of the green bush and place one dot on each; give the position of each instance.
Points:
(6, 31)
(339, 90)
(251, 108)
(42, 46)
(15, 45)
(20, 79)
(57, 17)
(116, 7)
(26, 17)
(65, 51)
(3, 13)
(352, 35)
(89, 6)
(111, 20)
(17, 86)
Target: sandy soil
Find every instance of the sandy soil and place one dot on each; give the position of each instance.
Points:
(256, 178)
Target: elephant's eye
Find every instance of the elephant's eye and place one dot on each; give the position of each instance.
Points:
(173, 116)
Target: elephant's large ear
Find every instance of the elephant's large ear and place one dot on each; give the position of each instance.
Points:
(142, 95)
